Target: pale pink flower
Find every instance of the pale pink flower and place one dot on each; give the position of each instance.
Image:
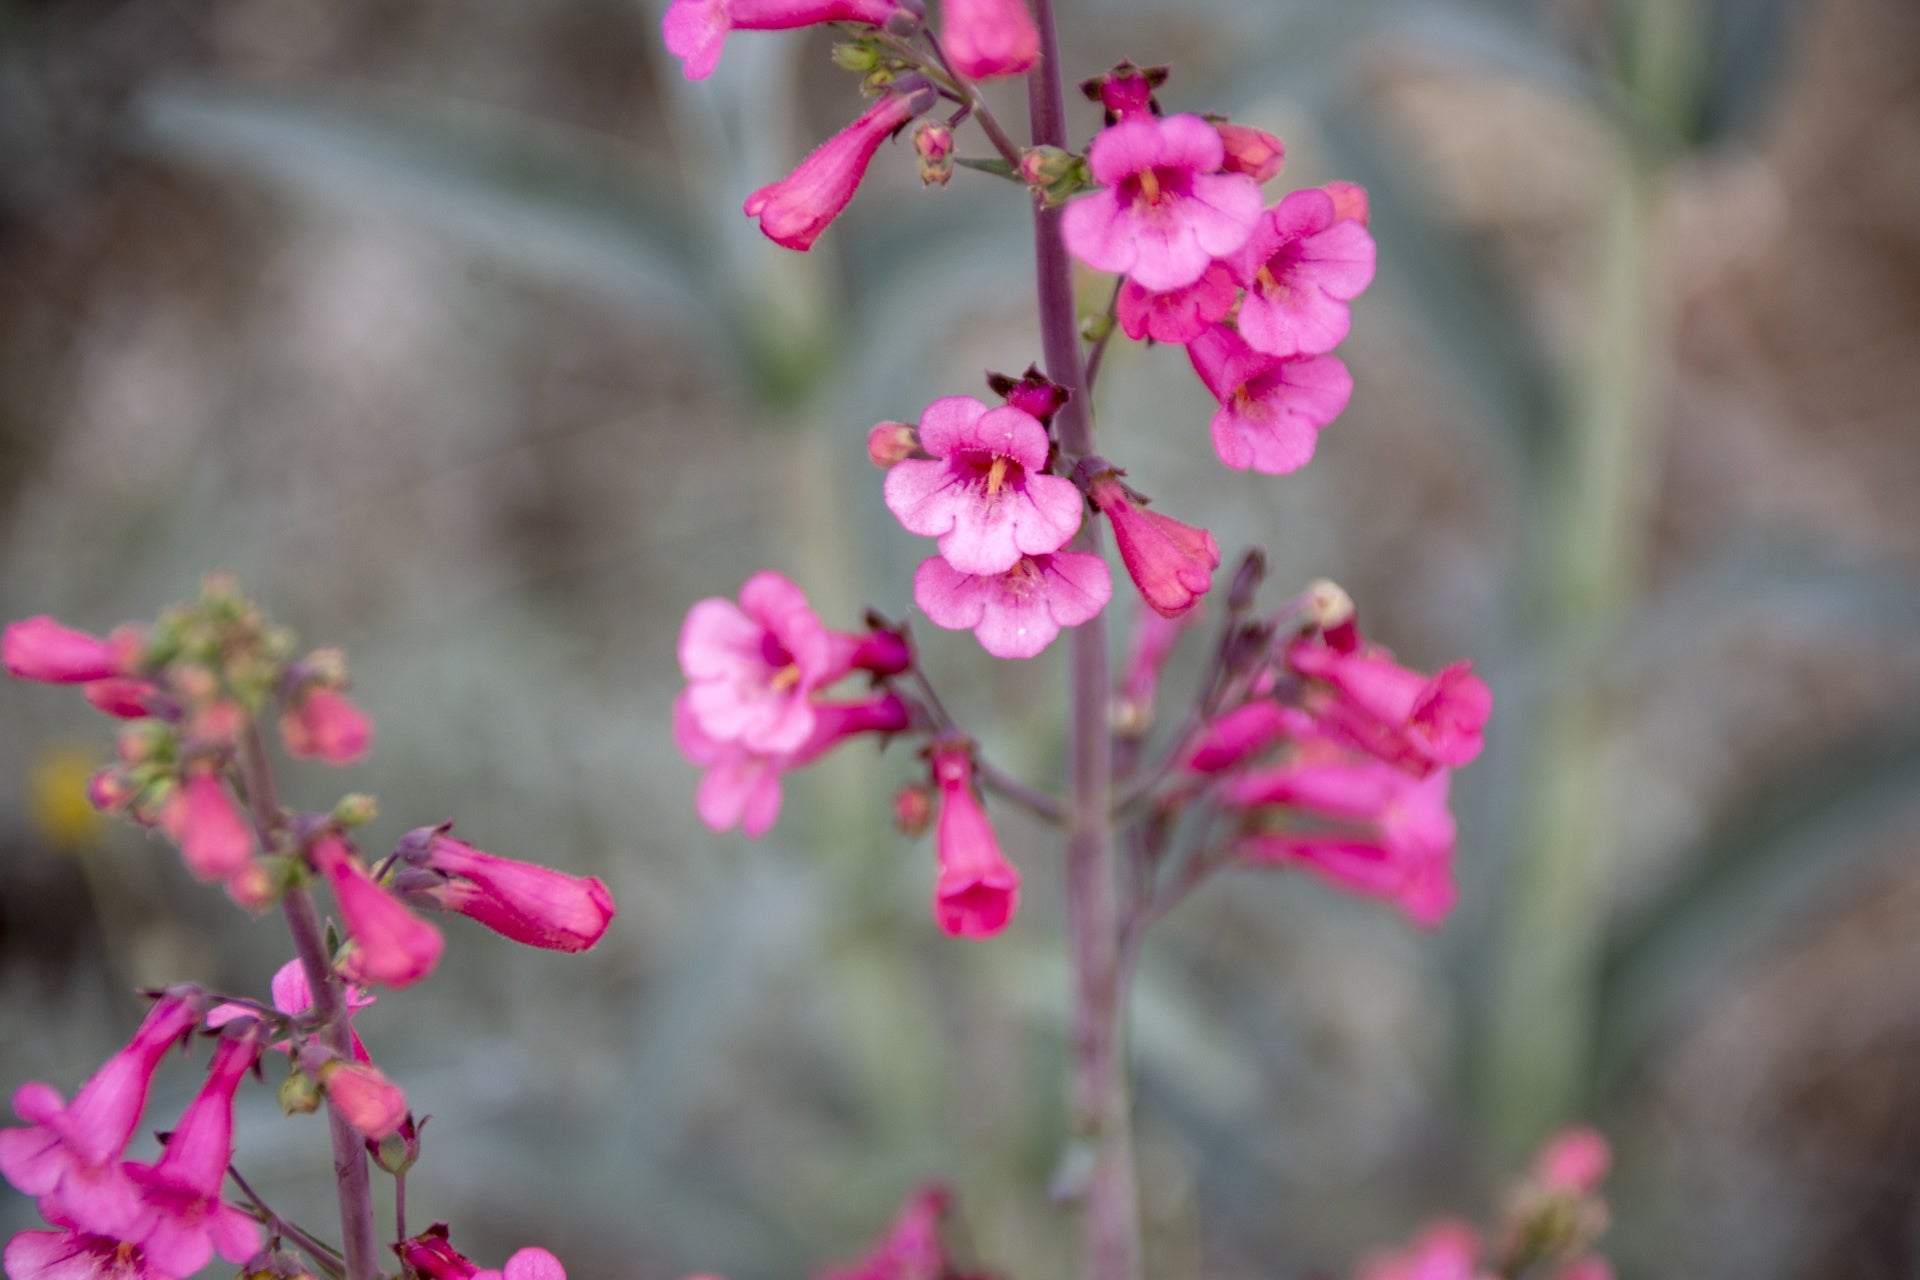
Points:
(1171, 563)
(41, 649)
(203, 818)
(985, 495)
(70, 1156)
(1271, 410)
(365, 1098)
(977, 890)
(1301, 267)
(69, 1254)
(391, 945)
(752, 668)
(987, 38)
(892, 442)
(1165, 210)
(1445, 1250)
(531, 1263)
(1015, 614)
(909, 1249)
(1349, 200)
(1254, 152)
(1414, 721)
(696, 30)
(1575, 1160)
(322, 724)
(1176, 315)
(795, 210)
(535, 905)
(186, 1221)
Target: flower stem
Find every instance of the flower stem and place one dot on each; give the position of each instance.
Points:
(1110, 1227)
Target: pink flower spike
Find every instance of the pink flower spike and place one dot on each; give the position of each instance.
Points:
(1177, 315)
(1015, 614)
(1171, 563)
(977, 890)
(1165, 210)
(1271, 410)
(985, 494)
(752, 668)
(1301, 267)
(75, 1255)
(696, 30)
(1254, 152)
(321, 724)
(1574, 1160)
(391, 945)
(187, 1222)
(41, 649)
(122, 696)
(205, 821)
(70, 1156)
(531, 904)
(795, 210)
(371, 1103)
(987, 38)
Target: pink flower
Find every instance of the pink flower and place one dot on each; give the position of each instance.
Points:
(391, 945)
(76, 1255)
(986, 38)
(1166, 210)
(909, 1249)
(1443, 1251)
(292, 996)
(1349, 200)
(1416, 722)
(1155, 637)
(1177, 315)
(1574, 1160)
(1301, 267)
(1126, 91)
(41, 649)
(1590, 1267)
(695, 30)
(977, 890)
(365, 1098)
(123, 696)
(742, 786)
(70, 1156)
(1239, 735)
(527, 903)
(752, 667)
(531, 1263)
(431, 1254)
(322, 724)
(205, 821)
(985, 494)
(1271, 410)
(186, 1221)
(795, 210)
(1015, 614)
(1254, 152)
(891, 442)
(1171, 563)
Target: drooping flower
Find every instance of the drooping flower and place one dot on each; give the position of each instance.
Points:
(1239, 735)
(1271, 410)
(323, 724)
(391, 945)
(987, 38)
(1372, 703)
(909, 1249)
(70, 1156)
(696, 30)
(1018, 613)
(985, 495)
(368, 1101)
(795, 210)
(203, 818)
(1176, 315)
(186, 1220)
(1165, 210)
(977, 890)
(41, 649)
(535, 905)
(752, 668)
(123, 697)
(1301, 267)
(1171, 563)
(70, 1254)
(1251, 151)
(1445, 1250)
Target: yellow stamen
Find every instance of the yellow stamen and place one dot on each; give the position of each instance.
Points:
(1264, 278)
(786, 677)
(1149, 186)
(996, 475)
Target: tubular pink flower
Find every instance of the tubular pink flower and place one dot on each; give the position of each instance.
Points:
(186, 1221)
(70, 1156)
(431, 1254)
(752, 668)
(977, 890)
(795, 210)
(696, 30)
(1177, 315)
(391, 945)
(891, 442)
(1254, 152)
(1171, 563)
(205, 821)
(1015, 614)
(292, 995)
(1271, 410)
(1165, 210)
(122, 696)
(1416, 722)
(322, 724)
(535, 905)
(987, 38)
(1301, 267)
(1575, 1160)
(877, 652)
(371, 1103)
(76, 1255)
(1241, 734)
(41, 649)
(909, 1249)
(986, 495)
(1445, 1250)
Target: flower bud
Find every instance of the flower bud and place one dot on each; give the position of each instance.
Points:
(892, 442)
(41, 649)
(1254, 152)
(987, 38)
(204, 820)
(912, 810)
(355, 810)
(933, 143)
(320, 723)
(399, 1151)
(1246, 580)
(856, 55)
(1054, 173)
(372, 1104)
(1126, 91)
(299, 1095)
(1032, 393)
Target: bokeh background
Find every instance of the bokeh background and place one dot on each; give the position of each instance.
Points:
(438, 324)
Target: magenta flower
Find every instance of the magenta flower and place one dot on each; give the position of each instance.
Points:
(985, 495)
(1271, 410)
(431, 1254)
(977, 890)
(696, 30)
(531, 904)
(795, 210)
(1445, 1250)
(203, 818)
(321, 724)
(365, 1098)
(752, 667)
(1301, 267)
(292, 996)
(1171, 563)
(1166, 210)
(70, 1156)
(1236, 737)
(391, 945)
(909, 1249)
(987, 38)
(186, 1220)
(531, 1263)
(1416, 722)
(1254, 152)
(69, 1254)
(41, 649)
(1015, 614)
(123, 697)
(1176, 315)
(1575, 1161)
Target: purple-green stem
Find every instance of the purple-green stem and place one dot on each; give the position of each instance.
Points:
(353, 1182)
(1110, 1225)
